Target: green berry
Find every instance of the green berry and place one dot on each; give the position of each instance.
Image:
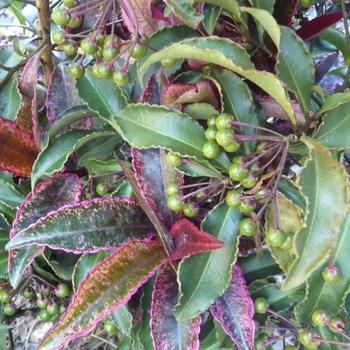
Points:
(76, 70)
(62, 290)
(259, 341)
(274, 237)
(45, 289)
(60, 16)
(172, 188)
(319, 317)
(58, 36)
(10, 309)
(110, 328)
(121, 77)
(307, 338)
(42, 302)
(287, 244)
(28, 293)
(101, 189)
(70, 48)
(263, 148)
(175, 203)
(104, 70)
(238, 159)
(237, 172)
(168, 62)
(224, 137)
(260, 305)
(263, 195)
(247, 206)
(248, 227)
(109, 42)
(99, 37)
(74, 22)
(44, 315)
(55, 318)
(69, 3)
(62, 309)
(249, 181)
(233, 198)
(233, 147)
(224, 120)
(95, 71)
(6, 296)
(336, 324)
(211, 149)
(331, 274)
(210, 133)
(306, 3)
(88, 47)
(207, 69)
(53, 308)
(190, 209)
(211, 121)
(138, 51)
(173, 159)
(110, 52)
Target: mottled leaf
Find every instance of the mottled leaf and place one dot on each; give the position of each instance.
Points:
(167, 332)
(102, 223)
(189, 240)
(18, 149)
(110, 284)
(326, 210)
(212, 268)
(235, 310)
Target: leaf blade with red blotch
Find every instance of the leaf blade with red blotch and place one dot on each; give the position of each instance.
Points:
(235, 309)
(89, 226)
(110, 284)
(166, 331)
(189, 240)
(49, 195)
(18, 149)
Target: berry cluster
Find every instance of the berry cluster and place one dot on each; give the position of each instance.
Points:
(101, 43)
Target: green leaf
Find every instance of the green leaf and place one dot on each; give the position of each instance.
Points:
(144, 126)
(326, 210)
(211, 14)
(98, 167)
(231, 6)
(109, 285)
(212, 268)
(10, 99)
(333, 101)
(185, 11)
(123, 319)
(229, 55)
(87, 226)
(3, 263)
(320, 292)
(333, 130)
(101, 95)
(239, 103)
(10, 195)
(53, 158)
(292, 191)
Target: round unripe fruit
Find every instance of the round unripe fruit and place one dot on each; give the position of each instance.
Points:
(207, 69)
(248, 227)
(233, 198)
(28, 293)
(70, 48)
(175, 203)
(259, 340)
(53, 308)
(62, 309)
(274, 237)
(62, 290)
(211, 149)
(6, 297)
(287, 244)
(95, 72)
(263, 148)
(41, 302)
(58, 36)
(224, 137)
(110, 52)
(173, 159)
(121, 77)
(337, 324)
(249, 181)
(211, 121)
(319, 317)
(101, 189)
(138, 51)
(44, 315)
(262, 195)
(247, 206)
(190, 209)
(10, 309)
(46, 289)
(69, 3)
(104, 71)
(88, 46)
(55, 318)
(224, 121)
(168, 62)
(74, 22)
(60, 16)
(260, 305)
(210, 133)
(76, 70)
(172, 188)
(237, 172)
(110, 328)
(109, 42)
(233, 147)
(331, 274)
(306, 337)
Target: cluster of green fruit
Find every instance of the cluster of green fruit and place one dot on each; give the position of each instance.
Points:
(50, 300)
(105, 49)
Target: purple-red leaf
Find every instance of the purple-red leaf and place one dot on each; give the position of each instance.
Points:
(235, 310)
(18, 149)
(166, 331)
(153, 93)
(189, 240)
(50, 195)
(110, 284)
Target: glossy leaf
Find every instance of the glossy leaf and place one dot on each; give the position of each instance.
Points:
(89, 226)
(292, 191)
(235, 310)
(189, 240)
(320, 292)
(98, 167)
(326, 210)
(10, 99)
(185, 11)
(167, 332)
(101, 95)
(144, 126)
(229, 55)
(212, 268)
(123, 319)
(49, 195)
(333, 101)
(153, 173)
(239, 103)
(53, 158)
(211, 14)
(10, 195)
(110, 284)
(18, 149)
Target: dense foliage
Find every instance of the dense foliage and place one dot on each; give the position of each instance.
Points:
(178, 172)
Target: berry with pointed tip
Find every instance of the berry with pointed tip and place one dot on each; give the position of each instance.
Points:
(41, 302)
(70, 48)
(53, 308)
(69, 3)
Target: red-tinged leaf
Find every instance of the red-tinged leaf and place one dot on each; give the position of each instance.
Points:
(235, 310)
(153, 173)
(24, 116)
(284, 11)
(61, 93)
(89, 226)
(153, 93)
(317, 25)
(326, 62)
(110, 284)
(18, 149)
(189, 240)
(28, 87)
(166, 331)
(204, 91)
(50, 195)
(140, 12)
